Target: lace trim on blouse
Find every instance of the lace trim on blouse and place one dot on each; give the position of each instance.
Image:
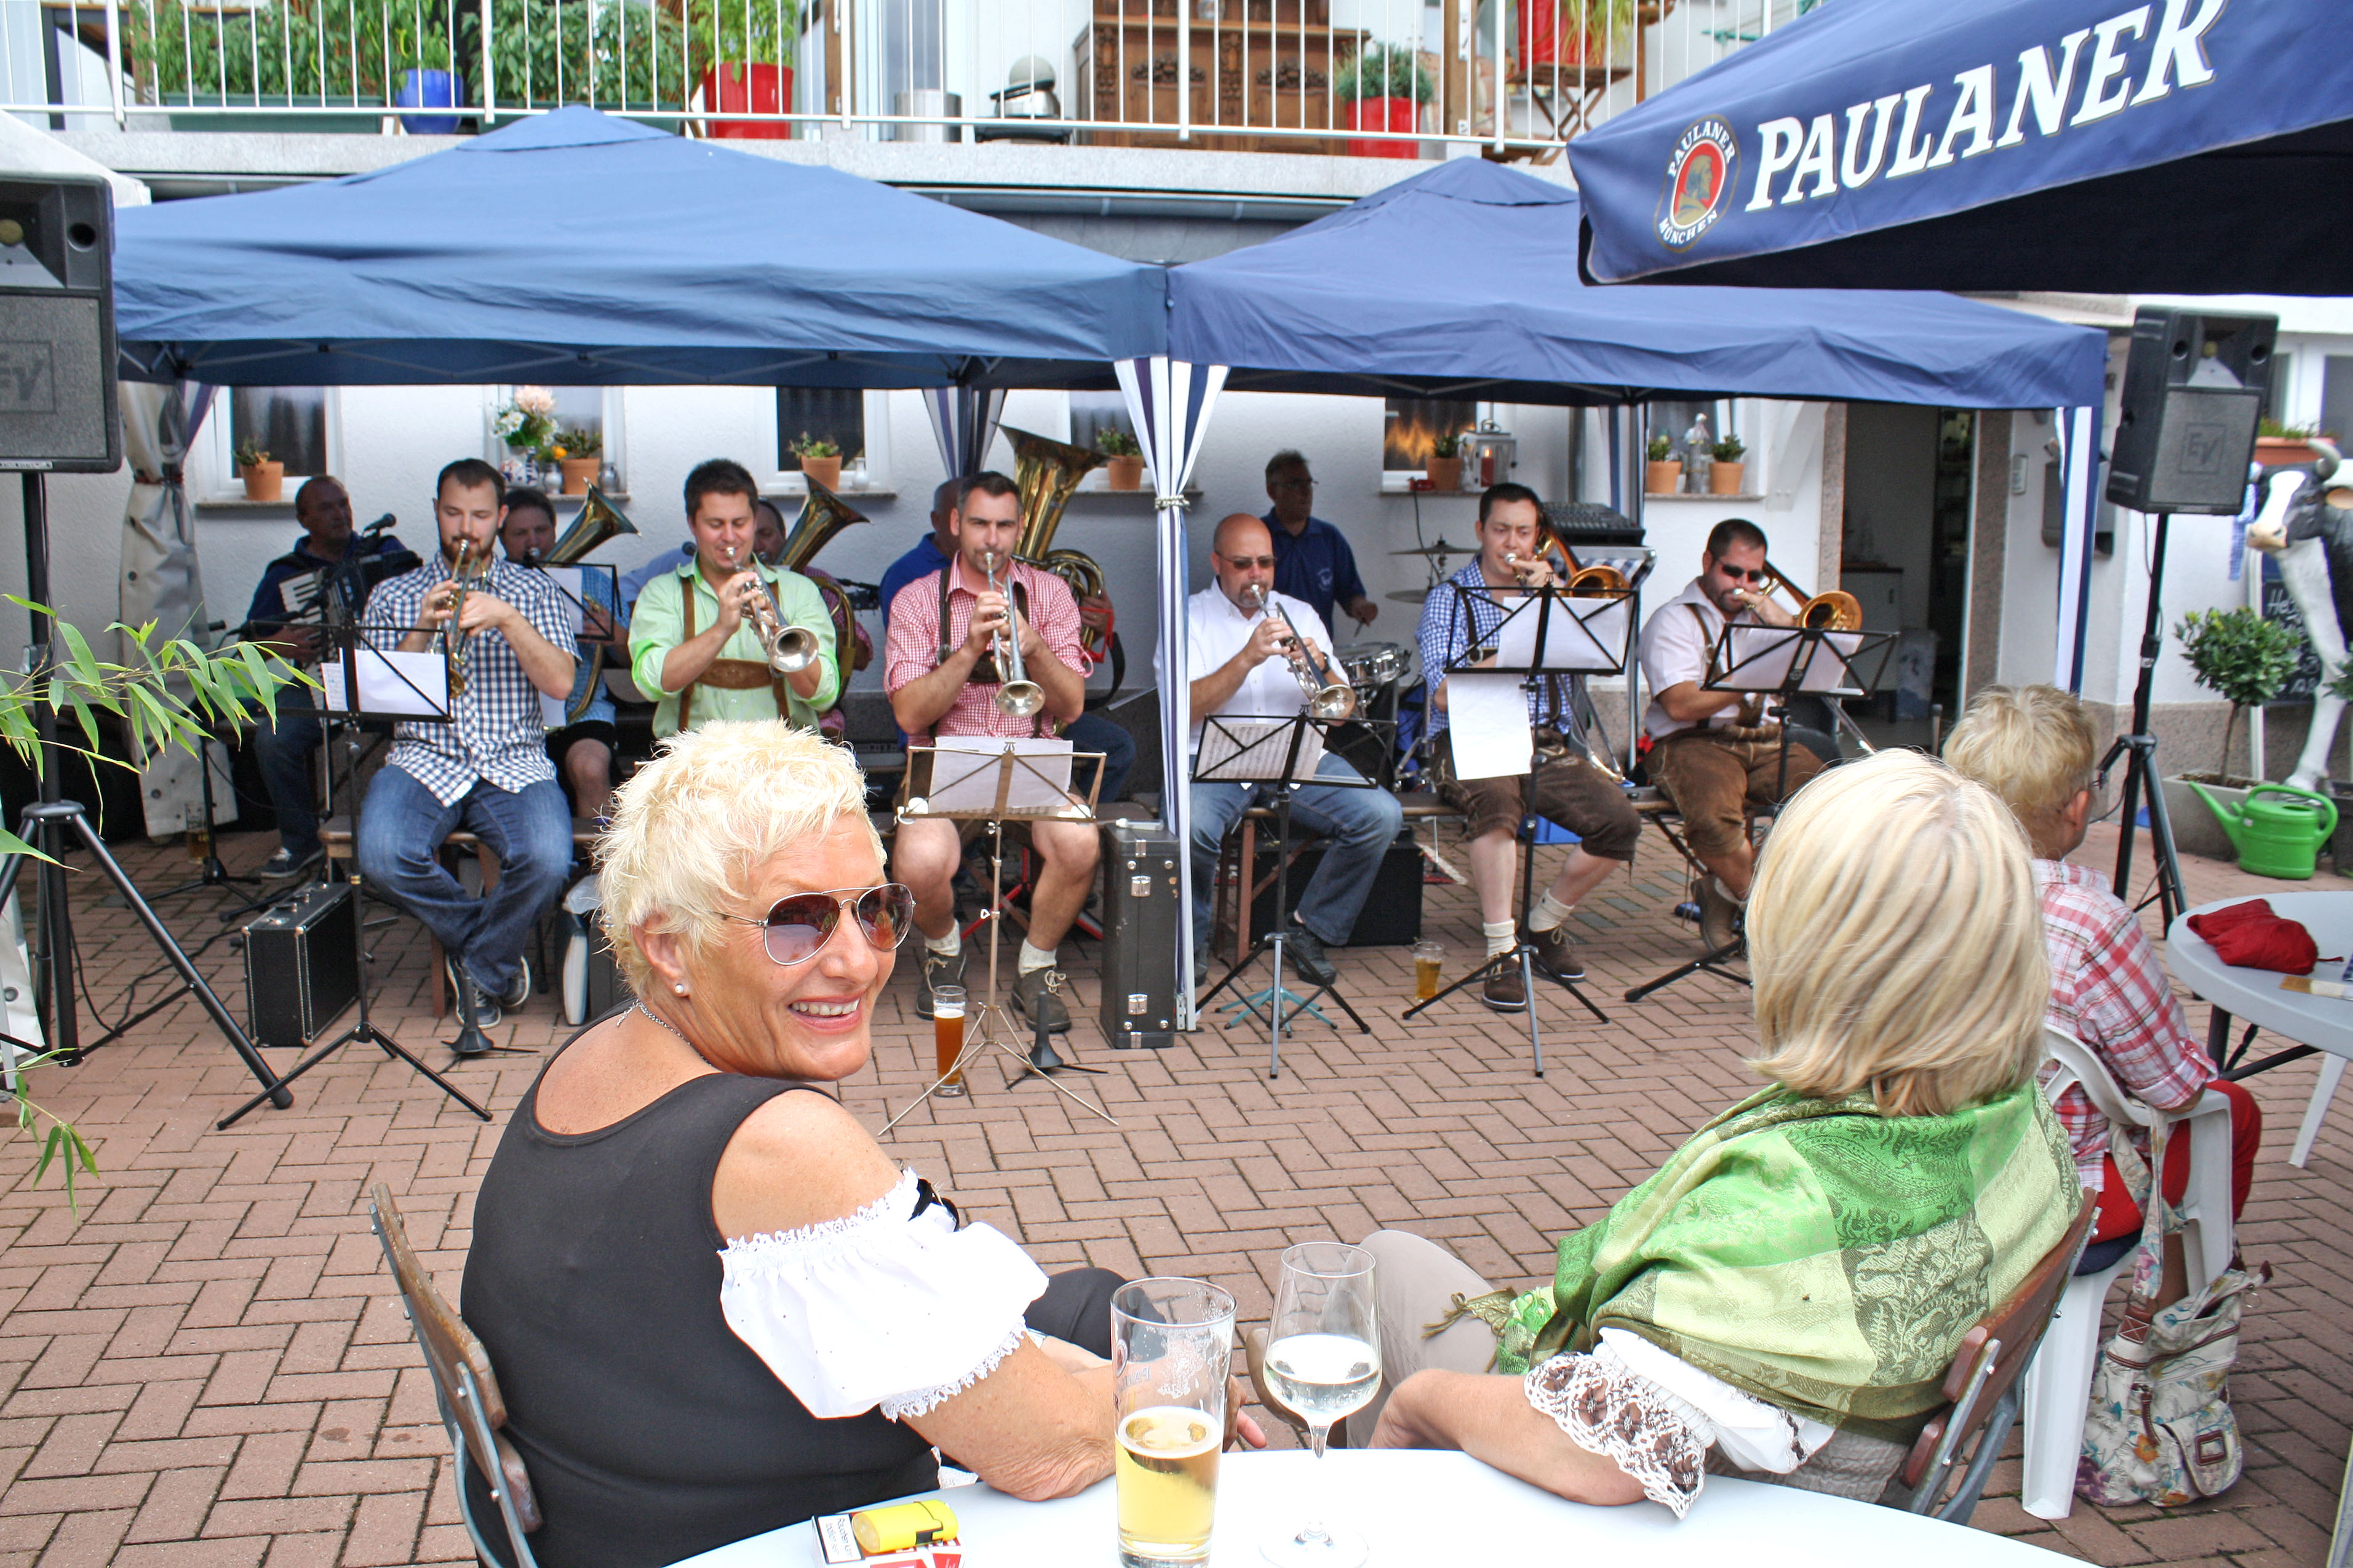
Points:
(1645, 1431)
(899, 1407)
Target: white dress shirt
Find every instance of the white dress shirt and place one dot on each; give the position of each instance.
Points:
(1215, 630)
(1676, 646)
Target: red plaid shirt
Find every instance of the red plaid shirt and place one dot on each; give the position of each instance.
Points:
(2108, 990)
(912, 650)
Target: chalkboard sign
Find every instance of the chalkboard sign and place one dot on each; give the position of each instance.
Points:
(2305, 683)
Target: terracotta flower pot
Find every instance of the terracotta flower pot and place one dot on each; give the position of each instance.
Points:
(826, 471)
(1724, 479)
(263, 481)
(2276, 451)
(1124, 473)
(1445, 473)
(579, 473)
(1662, 478)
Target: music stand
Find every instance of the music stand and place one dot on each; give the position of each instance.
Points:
(210, 871)
(996, 783)
(1281, 755)
(1778, 662)
(1543, 635)
(390, 692)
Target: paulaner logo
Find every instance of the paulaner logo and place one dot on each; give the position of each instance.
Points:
(1699, 178)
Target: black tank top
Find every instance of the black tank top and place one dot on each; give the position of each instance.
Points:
(649, 1430)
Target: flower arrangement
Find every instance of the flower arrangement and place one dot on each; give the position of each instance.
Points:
(527, 423)
(1117, 443)
(810, 445)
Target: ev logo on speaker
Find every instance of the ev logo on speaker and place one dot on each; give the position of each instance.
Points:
(29, 382)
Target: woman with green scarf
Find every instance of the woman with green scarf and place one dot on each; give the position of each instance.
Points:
(1780, 1300)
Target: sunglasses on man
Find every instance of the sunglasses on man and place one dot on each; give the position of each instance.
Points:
(799, 927)
(1738, 575)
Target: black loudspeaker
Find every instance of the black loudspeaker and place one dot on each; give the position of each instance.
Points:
(1392, 913)
(57, 326)
(2195, 387)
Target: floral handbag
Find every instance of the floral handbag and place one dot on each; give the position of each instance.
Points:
(2160, 1429)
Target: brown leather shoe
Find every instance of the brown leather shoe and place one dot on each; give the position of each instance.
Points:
(1506, 992)
(1719, 917)
(1555, 953)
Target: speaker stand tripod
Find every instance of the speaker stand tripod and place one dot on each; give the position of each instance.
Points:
(2139, 747)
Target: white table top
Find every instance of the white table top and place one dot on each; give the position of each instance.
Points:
(2254, 995)
(1423, 1510)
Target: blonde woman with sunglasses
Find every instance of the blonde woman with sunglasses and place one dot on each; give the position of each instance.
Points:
(714, 1304)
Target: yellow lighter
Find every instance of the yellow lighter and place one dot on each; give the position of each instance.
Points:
(903, 1526)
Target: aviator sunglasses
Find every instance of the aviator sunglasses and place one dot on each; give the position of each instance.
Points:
(797, 926)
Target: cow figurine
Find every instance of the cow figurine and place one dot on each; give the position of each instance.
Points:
(2307, 524)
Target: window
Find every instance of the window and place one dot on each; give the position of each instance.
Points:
(1411, 423)
(1677, 419)
(290, 423)
(1092, 413)
(835, 414)
(2336, 397)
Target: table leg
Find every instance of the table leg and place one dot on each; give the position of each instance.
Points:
(2218, 1037)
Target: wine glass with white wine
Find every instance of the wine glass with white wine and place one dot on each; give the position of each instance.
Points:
(1324, 1361)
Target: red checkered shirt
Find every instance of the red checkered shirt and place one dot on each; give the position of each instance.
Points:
(912, 650)
(2108, 990)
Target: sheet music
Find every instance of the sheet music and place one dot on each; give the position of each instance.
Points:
(1487, 723)
(965, 768)
(1572, 641)
(1761, 657)
(393, 683)
(1252, 751)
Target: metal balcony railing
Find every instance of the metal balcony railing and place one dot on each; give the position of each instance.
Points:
(1375, 77)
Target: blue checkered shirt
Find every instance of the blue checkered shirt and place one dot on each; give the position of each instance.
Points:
(1443, 634)
(498, 736)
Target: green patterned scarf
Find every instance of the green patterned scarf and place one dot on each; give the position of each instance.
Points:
(1814, 1253)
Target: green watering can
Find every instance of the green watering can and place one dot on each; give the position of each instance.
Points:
(2275, 838)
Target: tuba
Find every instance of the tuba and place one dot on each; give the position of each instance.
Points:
(1045, 473)
(823, 515)
(599, 522)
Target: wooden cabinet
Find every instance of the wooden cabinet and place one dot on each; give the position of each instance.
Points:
(1249, 65)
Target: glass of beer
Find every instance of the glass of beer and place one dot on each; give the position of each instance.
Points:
(1429, 957)
(1171, 1339)
(947, 1036)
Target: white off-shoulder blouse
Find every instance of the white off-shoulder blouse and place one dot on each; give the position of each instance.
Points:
(898, 1305)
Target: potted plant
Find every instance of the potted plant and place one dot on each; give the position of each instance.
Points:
(264, 477)
(1662, 473)
(579, 452)
(2245, 660)
(821, 459)
(747, 62)
(1125, 469)
(1725, 477)
(1383, 88)
(1566, 35)
(2278, 445)
(1444, 465)
(634, 58)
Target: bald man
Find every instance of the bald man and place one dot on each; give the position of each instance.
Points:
(1239, 670)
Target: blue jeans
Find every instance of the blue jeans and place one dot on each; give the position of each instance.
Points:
(1095, 732)
(282, 752)
(1360, 824)
(402, 824)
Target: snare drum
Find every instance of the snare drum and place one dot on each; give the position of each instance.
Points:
(1373, 665)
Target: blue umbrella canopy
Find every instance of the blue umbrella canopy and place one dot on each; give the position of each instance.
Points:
(1462, 281)
(2174, 146)
(644, 258)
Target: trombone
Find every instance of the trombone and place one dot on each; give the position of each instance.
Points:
(1326, 697)
(789, 649)
(1017, 696)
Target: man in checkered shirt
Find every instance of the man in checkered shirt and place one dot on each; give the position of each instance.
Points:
(2034, 746)
(487, 771)
(942, 679)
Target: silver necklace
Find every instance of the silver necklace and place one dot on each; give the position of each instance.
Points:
(666, 1024)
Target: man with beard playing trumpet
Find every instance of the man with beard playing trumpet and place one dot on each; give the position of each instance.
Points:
(941, 671)
(691, 641)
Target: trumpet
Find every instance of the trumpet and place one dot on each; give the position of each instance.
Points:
(453, 636)
(790, 650)
(1017, 696)
(1326, 697)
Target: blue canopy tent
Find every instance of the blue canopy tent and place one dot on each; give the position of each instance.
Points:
(682, 261)
(2174, 146)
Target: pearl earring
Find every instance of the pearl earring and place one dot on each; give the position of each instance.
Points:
(680, 989)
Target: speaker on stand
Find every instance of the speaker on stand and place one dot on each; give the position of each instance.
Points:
(2196, 385)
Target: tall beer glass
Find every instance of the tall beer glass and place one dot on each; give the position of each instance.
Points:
(947, 1036)
(1170, 1344)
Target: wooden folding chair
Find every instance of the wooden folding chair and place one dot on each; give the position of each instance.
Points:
(1981, 1386)
(465, 1388)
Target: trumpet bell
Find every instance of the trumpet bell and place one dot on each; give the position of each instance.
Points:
(792, 651)
(1024, 699)
(1333, 703)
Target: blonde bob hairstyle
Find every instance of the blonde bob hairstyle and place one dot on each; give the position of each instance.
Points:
(1897, 941)
(719, 801)
(2032, 745)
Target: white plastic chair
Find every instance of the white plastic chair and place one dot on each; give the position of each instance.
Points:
(2324, 1089)
(2059, 1384)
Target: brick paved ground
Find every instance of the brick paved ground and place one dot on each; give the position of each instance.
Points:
(207, 1367)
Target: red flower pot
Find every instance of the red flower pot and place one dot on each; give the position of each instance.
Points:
(1543, 47)
(749, 89)
(1383, 114)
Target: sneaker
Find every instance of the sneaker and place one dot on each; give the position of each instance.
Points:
(1719, 917)
(1555, 954)
(1200, 968)
(939, 969)
(1308, 960)
(1039, 1005)
(285, 863)
(1506, 992)
(487, 1011)
(520, 991)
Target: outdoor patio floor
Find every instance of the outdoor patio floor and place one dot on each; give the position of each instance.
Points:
(209, 1367)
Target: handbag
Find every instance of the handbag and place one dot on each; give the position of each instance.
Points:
(2160, 1429)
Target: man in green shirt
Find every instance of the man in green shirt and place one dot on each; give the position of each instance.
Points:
(692, 643)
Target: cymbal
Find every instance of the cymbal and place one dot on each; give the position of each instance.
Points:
(1441, 548)
(1407, 595)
